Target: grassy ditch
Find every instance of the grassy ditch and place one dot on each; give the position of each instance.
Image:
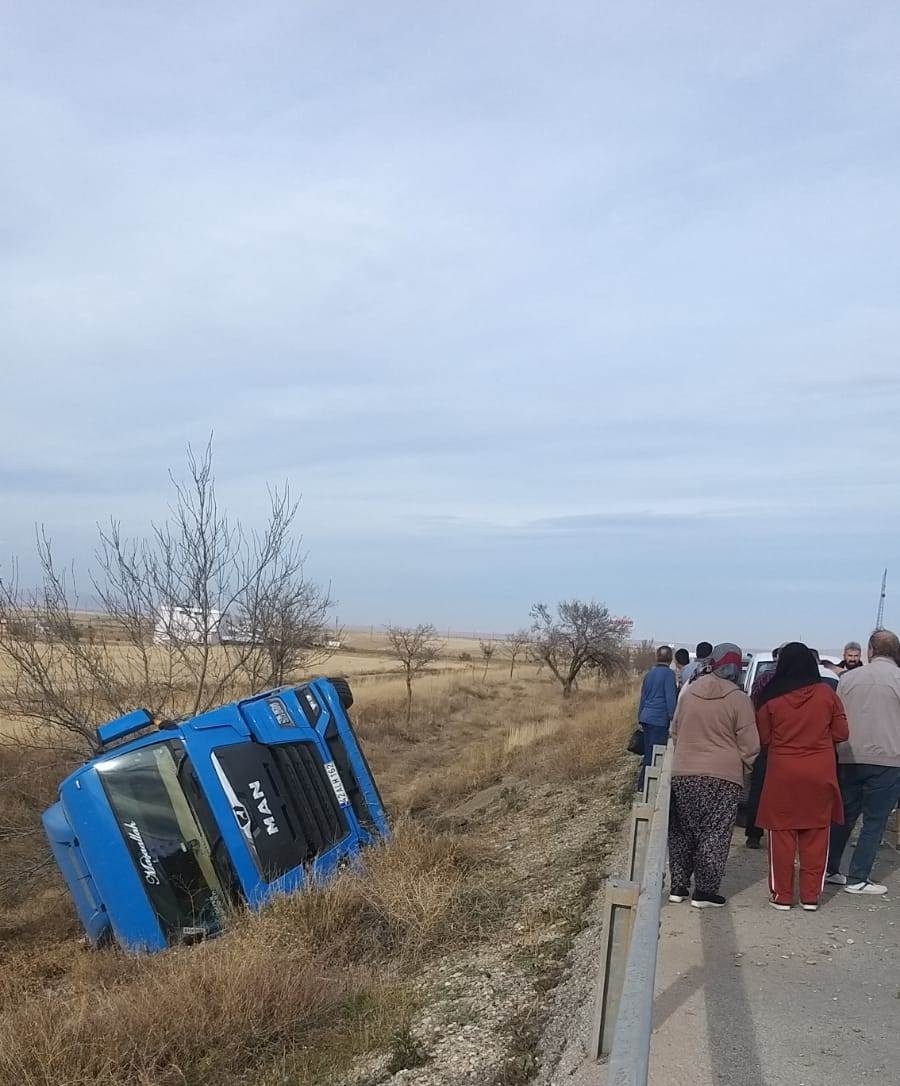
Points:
(295, 994)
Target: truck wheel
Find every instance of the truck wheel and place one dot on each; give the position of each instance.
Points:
(343, 691)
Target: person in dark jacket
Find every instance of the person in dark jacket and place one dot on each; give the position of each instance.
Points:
(682, 659)
(852, 658)
(659, 696)
(753, 832)
(699, 664)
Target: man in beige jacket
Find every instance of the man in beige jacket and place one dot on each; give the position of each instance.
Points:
(869, 762)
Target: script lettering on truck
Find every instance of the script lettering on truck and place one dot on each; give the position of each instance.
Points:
(262, 805)
(145, 859)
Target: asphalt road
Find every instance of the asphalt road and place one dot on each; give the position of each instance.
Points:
(747, 996)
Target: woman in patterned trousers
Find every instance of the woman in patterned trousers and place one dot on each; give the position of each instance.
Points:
(716, 742)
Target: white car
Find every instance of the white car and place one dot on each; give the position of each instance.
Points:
(758, 663)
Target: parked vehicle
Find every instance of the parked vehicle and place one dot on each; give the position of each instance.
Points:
(185, 626)
(235, 631)
(159, 836)
(758, 663)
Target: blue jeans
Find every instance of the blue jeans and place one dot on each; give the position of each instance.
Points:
(870, 790)
(654, 735)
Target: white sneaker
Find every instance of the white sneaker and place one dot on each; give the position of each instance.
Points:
(873, 888)
(809, 906)
(837, 879)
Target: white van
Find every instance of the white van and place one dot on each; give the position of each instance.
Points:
(184, 626)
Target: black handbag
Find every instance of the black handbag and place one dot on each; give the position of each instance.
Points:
(636, 742)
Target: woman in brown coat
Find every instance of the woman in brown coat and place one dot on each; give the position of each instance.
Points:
(715, 738)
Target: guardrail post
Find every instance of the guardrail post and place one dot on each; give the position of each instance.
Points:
(659, 754)
(641, 817)
(619, 904)
(651, 784)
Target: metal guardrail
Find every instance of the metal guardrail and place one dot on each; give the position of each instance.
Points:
(623, 1008)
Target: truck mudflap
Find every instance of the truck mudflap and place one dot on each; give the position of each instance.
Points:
(69, 859)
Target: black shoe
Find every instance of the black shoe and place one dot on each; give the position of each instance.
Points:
(754, 842)
(707, 901)
(679, 894)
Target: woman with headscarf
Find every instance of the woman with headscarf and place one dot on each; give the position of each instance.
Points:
(800, 719)
(716, 742)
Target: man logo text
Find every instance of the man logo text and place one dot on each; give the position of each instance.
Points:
(262, 805)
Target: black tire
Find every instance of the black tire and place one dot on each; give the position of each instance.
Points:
(343, 691)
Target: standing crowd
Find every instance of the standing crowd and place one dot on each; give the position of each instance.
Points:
(815, 758)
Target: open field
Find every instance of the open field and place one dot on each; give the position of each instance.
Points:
(506, 800)
(363, 656)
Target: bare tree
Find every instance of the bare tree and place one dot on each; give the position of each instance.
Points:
(580, 636)
(488, 648)
(165, 597)
(415, 648)
(515, 645)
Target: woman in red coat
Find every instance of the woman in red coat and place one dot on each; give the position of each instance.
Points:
(800, 719)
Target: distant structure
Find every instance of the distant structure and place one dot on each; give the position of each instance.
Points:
(879, 621)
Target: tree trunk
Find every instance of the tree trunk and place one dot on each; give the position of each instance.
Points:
(408, 698)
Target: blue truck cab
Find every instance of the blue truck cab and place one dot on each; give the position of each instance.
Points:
(163, 833)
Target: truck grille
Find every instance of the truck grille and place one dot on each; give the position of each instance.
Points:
(309, 796)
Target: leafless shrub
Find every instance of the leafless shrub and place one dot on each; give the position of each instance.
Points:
(414, 648)
(514, 646)
(488, 648)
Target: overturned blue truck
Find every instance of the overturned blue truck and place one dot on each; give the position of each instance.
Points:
(162, 834)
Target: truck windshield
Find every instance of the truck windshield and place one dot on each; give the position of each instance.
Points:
(163, 829)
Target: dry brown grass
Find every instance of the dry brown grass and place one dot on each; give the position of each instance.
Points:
(29, 781)
(176, 1022)
(528, 733)
(278, 982)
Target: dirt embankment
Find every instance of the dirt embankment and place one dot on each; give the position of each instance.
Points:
(482, 1009)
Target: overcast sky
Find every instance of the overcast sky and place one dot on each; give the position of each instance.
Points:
(529, 300)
